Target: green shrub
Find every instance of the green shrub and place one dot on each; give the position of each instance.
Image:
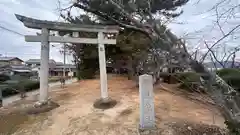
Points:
(228, 71)
(231, 77)
(4, 77)
(24, 85)
(188, 77)
(18, 77)
(171, 79)
(30, 85)
(190, 81)
(87, 73)
(234, 128)
(165, 77)
(232, 80)
(8, 89)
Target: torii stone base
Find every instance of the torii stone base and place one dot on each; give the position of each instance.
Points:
(104, 103)
(41, 107)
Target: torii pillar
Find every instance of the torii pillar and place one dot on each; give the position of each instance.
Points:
(44, 67)
(102, 67)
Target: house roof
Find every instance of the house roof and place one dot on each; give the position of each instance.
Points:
(22, 71)
(9, 58)
(20, 67)
(59, 67)
(59, 63)
(17, 68)
(37, 61)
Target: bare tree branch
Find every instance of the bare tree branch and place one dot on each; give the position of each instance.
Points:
(218, 23)
(213, 54)
(219, 40)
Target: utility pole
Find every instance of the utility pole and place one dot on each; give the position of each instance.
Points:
(64, 60)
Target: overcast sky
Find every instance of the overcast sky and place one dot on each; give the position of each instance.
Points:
(13, 44)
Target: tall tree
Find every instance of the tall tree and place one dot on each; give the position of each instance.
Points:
(147, 16)
(130, 48)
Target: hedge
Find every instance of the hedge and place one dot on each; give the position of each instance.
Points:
(189, 81)
(192, 80)
(25, 85)
(188, 76)
(228, 71)
(4, 78)
(30, 85)
(231, 76)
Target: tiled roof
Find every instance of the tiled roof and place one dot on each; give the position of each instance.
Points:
(59, 63)
(20, 67)
(8, 58)
(37, 61)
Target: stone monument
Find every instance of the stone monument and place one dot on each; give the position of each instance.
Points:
(147, 114)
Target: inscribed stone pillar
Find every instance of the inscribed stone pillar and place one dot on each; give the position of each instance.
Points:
(102, 65)
(44, 68)
(147, 115)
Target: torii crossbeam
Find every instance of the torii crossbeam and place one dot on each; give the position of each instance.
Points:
(45, 38)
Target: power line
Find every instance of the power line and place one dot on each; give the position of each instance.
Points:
(15, 32)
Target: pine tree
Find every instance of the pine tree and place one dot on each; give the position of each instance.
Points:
(147, 17)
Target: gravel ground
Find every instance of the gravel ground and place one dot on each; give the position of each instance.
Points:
(175, 114)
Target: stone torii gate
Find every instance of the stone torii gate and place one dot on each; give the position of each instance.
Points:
(45, 38)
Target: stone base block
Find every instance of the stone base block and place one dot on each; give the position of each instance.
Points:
(148, 131)
(104, 103)
(41, 107)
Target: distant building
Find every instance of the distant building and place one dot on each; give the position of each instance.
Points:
(15, 70)
(13, 66)
(55, 68)
(10, 61)
(58, 70)
(36, 63)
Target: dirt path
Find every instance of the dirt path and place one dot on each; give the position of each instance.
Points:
(76, 115)
(13, 98)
